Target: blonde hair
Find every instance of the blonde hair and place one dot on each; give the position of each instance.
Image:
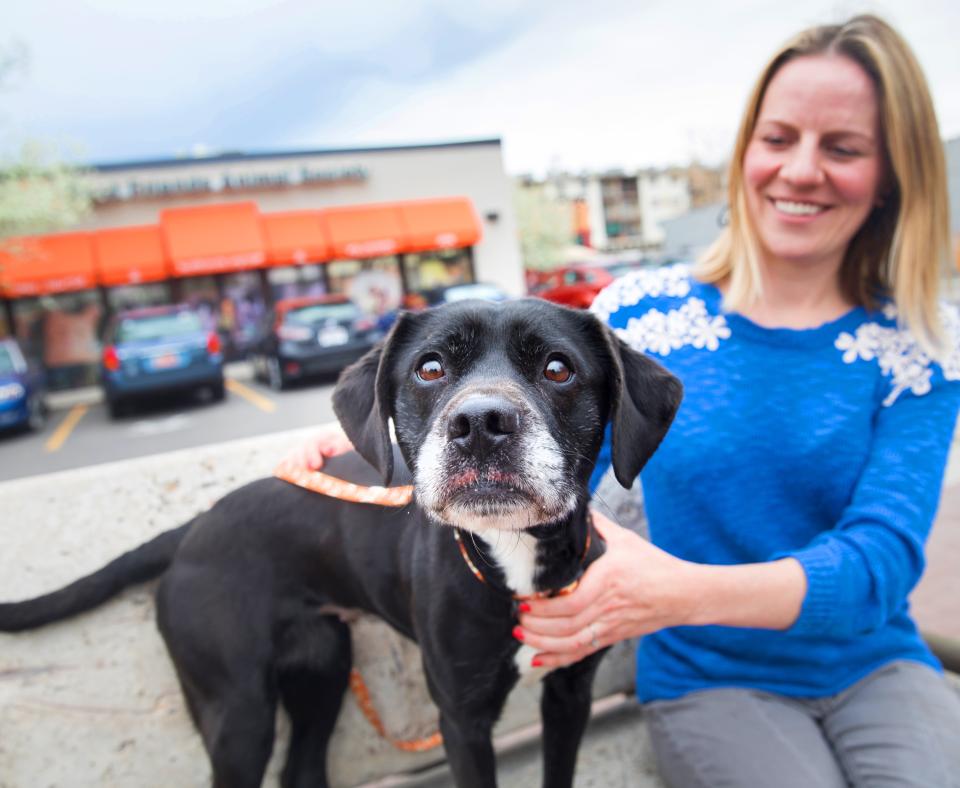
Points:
(900, 248)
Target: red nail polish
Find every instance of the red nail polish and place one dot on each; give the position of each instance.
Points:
(518, 633)
(523, 607)
(536, 662)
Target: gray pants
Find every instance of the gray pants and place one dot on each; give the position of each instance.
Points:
(899, 726)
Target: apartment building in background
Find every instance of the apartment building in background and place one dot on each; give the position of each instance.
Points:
(623, 210)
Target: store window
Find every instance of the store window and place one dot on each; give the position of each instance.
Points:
(201, 293)
(136, 296)
(373, 284)
(241, 310)
(297, 281)
(62, 332)
(441, 268)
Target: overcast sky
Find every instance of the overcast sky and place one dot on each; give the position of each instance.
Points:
(574, 85)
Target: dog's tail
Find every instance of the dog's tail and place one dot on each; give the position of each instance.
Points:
(143, 563)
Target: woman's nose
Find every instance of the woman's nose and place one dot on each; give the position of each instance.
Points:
(802, 166)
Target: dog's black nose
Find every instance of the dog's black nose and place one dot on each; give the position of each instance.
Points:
(483, 423)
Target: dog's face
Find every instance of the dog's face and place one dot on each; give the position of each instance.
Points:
(500, 409)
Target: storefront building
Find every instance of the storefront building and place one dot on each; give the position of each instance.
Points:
(230, 234)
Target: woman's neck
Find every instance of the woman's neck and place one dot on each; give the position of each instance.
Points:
(797, 297)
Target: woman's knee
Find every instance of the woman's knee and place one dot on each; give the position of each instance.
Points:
(739, 737)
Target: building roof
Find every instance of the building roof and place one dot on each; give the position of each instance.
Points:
(229, 157)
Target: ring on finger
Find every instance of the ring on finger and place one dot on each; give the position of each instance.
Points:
(594, 640)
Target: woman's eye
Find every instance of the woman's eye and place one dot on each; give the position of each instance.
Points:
(430, 369)
(774, 140)
(846, 153)
(557, 371)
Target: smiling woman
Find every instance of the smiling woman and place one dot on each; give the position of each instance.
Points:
(838, 157)
(790, 502)
(814, 166)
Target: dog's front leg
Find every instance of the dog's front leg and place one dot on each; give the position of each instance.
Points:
(468, 741)
(564, 711)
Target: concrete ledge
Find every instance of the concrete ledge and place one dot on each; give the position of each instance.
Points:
(94, 701)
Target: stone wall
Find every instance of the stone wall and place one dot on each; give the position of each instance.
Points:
(94, 701)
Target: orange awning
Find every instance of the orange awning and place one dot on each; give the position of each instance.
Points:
(129, 255)
(45, 264)
(213, 239)
(440, 224)
(365, 230)
(295, 237)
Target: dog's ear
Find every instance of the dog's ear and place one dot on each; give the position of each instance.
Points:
(363, 399)
(644, 400)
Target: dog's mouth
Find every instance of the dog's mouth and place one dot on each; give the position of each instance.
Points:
(486, 493)
(490, 499)
(490, 481)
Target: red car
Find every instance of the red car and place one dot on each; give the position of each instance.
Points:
(575, 286)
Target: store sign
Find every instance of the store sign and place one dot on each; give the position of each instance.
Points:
(135, 188)
(218, 263)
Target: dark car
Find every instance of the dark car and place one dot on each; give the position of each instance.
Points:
(21, 390)
(159, 350)
(451, 293)
(309, 336)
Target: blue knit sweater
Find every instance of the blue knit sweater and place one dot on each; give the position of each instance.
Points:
(825, 444)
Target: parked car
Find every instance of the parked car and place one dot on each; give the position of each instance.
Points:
(21, 390)
(574, 286)
(311, 335)
(159, 350)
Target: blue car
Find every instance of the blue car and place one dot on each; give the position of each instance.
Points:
(157, 350)
(21, 390)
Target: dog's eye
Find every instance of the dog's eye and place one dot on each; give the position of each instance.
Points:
(430, 369)
(557, 371)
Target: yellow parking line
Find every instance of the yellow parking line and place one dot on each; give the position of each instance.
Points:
(62, 432)
(254, 398)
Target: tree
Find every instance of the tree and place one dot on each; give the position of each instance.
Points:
(545, 227)
(39, 193)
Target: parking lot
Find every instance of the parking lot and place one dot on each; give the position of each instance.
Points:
(79, 432)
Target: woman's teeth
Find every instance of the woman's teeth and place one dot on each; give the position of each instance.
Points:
(797, 208)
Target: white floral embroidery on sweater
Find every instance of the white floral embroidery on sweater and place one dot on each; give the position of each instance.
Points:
(663, 332)
(632, 288)
(899, 354)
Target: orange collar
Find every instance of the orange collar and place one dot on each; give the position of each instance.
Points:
(569, 588)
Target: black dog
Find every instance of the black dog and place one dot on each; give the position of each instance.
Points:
(499, 412)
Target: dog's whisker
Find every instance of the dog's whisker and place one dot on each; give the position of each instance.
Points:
(483, 556)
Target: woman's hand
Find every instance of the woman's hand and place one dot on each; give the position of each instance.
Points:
(632, 589)
(328, 441)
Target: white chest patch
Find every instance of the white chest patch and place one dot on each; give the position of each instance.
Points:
(528, 673)
(516, 554)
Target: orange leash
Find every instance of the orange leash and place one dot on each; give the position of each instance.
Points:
(383, 496)
(362, 695)
(394, 497)
(333, 487)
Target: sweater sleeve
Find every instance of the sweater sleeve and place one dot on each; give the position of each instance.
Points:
(860, 572)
